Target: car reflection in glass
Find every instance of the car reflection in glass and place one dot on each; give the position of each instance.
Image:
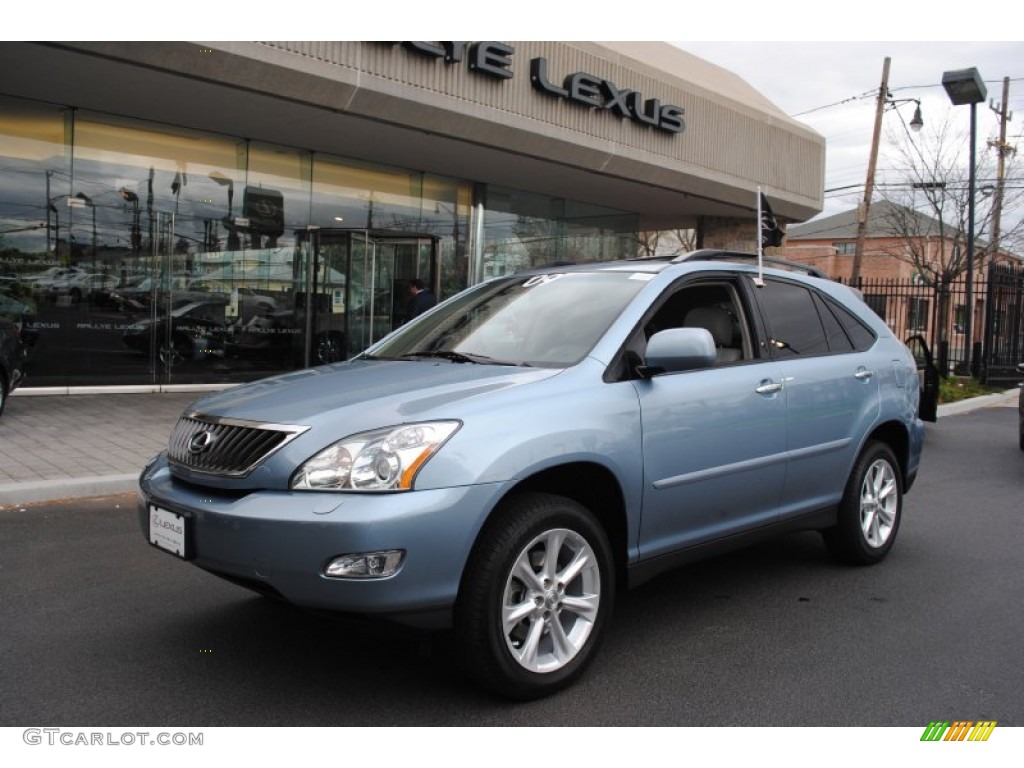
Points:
(196, 331)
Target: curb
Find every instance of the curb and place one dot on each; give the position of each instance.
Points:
(15, 494)
(985, 401)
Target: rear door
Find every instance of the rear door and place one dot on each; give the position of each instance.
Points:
(831, 381)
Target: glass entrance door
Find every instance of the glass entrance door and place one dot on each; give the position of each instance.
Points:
(381, 269)
(357, 282)
(179, 329)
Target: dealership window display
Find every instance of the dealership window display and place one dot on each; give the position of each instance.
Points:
(145, 253)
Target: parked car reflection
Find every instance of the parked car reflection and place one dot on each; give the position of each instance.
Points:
(277, 338)
(195, 331)
(139, 294)
(81, 286)
(18, 307)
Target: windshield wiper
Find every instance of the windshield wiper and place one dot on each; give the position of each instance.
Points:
(459, 357)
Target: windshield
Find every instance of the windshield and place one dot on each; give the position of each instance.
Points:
(550, 320)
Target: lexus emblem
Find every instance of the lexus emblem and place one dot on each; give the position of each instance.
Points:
(201, 441)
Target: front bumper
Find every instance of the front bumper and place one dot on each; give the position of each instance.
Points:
(282, 541)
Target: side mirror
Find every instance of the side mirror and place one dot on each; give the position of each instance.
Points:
(679, 349)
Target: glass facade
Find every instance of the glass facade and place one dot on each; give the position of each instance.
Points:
(139, 253)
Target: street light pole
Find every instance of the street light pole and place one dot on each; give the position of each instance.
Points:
(965, 86)
(969, 285)
(86, 200)
(131, 197)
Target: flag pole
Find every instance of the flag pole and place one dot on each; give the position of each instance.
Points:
(759, 280)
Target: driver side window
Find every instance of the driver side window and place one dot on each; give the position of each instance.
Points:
(712, 306)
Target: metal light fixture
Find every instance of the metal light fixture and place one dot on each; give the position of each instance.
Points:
(131, 197)
(917, 122)
(84, 199)
(229, 221)
(965, 86)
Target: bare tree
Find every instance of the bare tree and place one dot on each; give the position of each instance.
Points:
(927, 203)
(928, 192)
(665, 242)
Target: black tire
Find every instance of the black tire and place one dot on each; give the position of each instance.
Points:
(179, 351)
(871, 508)
(496, 652)
(328, 348)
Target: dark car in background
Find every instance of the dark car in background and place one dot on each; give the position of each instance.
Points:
(1020, 408)
(12, 359)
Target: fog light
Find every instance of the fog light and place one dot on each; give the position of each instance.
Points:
(366, 565)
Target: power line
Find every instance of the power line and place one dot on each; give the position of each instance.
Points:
(874, 91)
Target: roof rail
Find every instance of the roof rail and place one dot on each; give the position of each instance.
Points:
(714, 254)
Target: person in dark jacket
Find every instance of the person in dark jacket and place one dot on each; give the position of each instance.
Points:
(420, 299)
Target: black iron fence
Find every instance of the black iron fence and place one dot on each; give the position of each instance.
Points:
(1004, 324)
(938, 313)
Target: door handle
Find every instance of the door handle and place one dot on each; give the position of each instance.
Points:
(863, 374)
(768, 387)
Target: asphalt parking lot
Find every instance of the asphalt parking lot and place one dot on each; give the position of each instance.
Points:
(101, 628)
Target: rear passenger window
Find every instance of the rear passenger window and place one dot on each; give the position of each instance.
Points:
(794, 327)
(861, 336)
(838, 341)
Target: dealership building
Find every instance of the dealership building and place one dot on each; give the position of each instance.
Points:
(186, 213)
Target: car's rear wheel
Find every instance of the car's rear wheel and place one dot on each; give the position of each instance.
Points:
(536, 596)
(870, 511)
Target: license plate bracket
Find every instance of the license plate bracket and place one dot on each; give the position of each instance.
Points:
(168, 531)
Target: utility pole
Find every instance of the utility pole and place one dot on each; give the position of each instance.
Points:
(869, 186)
(1002, 150)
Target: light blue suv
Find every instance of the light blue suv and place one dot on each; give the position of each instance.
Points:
(506, 462)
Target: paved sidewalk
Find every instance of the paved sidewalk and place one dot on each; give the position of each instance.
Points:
(75, 446)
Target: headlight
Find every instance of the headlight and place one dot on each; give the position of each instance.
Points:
(382, 460)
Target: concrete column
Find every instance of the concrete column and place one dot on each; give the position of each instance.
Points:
(730, 234)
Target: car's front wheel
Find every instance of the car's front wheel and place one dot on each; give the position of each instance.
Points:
(536, 596)
(869, 513)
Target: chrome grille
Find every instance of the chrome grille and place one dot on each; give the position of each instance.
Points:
(226, 447)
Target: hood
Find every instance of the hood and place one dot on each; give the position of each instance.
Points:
(385, 391)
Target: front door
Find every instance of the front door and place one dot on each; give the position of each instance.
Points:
(714, 440)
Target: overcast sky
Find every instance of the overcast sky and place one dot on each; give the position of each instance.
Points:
(825, 70)
(833, 87)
